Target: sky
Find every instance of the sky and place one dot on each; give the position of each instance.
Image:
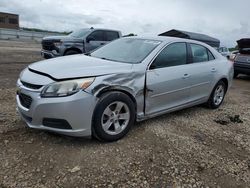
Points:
(226, 20)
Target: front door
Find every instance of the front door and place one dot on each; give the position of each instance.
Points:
(167, 79)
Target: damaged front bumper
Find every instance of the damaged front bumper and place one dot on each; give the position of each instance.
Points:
(70, 115)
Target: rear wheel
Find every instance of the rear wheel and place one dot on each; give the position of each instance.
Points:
(113, 117)
(217, 95)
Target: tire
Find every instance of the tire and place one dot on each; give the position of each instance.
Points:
(71, 52)
(215, 101)
(113, 117)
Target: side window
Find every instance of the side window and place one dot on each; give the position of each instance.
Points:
(13, 21)
(111, 35)
(173, 55)
(97, 36)
(199, 53)
(2, 20)
(210, 56)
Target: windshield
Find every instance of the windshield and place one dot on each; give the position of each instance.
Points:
(126, 50)
(79, 33)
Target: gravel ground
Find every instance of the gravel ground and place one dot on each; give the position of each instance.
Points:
(195, 147)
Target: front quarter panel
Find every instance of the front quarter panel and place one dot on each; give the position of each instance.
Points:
(131, 82)
(74, 43)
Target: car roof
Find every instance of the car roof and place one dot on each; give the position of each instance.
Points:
(103, 29)
(170, 39)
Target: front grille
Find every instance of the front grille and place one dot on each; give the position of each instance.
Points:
(31, 86)
(48, 45)
(25, 100)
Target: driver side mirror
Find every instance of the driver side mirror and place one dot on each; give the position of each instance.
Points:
(89, 38)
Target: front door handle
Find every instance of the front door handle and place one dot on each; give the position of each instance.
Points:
(102, 43)
(213, 70)
(185, 76)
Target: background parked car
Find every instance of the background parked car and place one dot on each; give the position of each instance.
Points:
(79, 41)
(224, 51)
(242, 59)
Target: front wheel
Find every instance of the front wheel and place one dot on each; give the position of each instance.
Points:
(113, 117)
(217, 96)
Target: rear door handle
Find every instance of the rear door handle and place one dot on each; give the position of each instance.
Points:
(185, 76)
(213, 70)
(102, 43)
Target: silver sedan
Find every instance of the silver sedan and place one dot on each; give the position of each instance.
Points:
(131, 79)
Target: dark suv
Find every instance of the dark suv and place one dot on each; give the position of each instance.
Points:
(242, 59)
(79, 41)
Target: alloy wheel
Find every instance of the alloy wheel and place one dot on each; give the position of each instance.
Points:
(115, 118)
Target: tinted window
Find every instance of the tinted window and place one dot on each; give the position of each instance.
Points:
(127, 50)
(172, 55)
(199, 53)
(111, 35)
(97, 36)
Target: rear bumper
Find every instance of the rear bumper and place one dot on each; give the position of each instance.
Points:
(242, 68)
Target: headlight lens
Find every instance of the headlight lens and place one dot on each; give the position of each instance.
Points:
(57, 44)
(66, 88)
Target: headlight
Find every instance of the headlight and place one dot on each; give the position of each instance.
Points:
(66, 88)
(57, 44)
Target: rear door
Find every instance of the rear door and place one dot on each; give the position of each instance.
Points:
(203, 71)
(167, 79)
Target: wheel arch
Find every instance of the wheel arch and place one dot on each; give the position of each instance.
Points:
(73, 49)
(114, 89)
(225, 80)
(103, 92)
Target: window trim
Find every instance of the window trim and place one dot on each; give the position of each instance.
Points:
(211, 54)
(165, 46)
(191, 53)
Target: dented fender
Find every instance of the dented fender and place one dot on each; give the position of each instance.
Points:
(132, 83)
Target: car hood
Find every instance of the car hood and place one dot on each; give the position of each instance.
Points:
(56, 38)
(244, 43)
(78, 66)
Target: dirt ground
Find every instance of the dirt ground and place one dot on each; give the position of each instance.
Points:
(196, 147)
